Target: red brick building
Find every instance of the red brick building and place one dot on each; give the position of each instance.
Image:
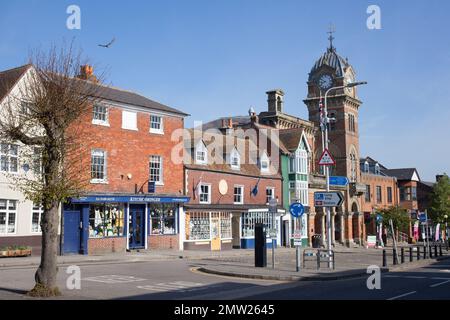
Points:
(135, 193)
(229, 191)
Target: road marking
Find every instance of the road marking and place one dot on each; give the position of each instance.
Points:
(113, 279)
(402, 295)
(179, 286)
(438, 284)
(392, 276)
(415, 277)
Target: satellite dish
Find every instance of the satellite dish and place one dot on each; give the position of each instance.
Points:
(223, 187)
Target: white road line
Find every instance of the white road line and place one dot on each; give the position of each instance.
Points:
(415, 277)
(402, 295)
(392, 276)
(180, 286)
(438, 284)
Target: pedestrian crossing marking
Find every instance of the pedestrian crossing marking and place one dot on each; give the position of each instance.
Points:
(179, 286)
(112, 279)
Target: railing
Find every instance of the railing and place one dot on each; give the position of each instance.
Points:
(411, 253)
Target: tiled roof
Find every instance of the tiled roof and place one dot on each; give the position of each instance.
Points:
(402, 174)
(9, 78)
(291, 138)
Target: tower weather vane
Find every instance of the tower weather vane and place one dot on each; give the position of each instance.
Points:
(332, 30)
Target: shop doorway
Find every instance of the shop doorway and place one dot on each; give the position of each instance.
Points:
(72, 232)
(136, 227)
(215, 234)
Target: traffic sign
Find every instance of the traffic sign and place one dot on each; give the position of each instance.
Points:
(297, 210)
(326, 159)
(273, 233)
(379, 218)
(297, 236)
(339, 181)
(328, 199)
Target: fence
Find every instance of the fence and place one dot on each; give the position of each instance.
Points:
(411, 253)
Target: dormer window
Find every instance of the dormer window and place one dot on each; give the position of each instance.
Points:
(201, 154)
(264, 163)
(366, 167)
(235, 160)
(377, 169)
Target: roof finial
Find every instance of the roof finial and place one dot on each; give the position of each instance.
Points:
(332, 30)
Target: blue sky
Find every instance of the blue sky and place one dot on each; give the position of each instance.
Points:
(214, 58)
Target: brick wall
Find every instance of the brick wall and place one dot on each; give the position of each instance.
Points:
(128, 152)
(107, 245)
(163, 242)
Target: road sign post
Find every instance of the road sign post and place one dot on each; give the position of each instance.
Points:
(297, 210)
(273, 207)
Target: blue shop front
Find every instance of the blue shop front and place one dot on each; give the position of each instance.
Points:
(98, 224)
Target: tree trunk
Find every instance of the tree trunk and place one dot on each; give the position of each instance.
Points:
(45, 276)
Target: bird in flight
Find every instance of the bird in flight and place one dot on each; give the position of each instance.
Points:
(107, 45)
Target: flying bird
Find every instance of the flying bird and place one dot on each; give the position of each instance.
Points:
(107, 45)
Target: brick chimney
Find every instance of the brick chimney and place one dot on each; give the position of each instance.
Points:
(87, 73)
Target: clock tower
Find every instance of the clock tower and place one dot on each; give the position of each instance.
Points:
(332, 70)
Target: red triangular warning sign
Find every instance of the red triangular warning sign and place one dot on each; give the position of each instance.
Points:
(326, 159)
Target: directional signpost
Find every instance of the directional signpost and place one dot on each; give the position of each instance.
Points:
(328, 199)
(297, 210)
(339, 181)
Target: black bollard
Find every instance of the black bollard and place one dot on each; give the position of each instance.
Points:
(410, 254)
(402, 257)
(446, 245)
(440, 250)
(384, 258)
(430, 252)
(418, 253)
(394, 257)
(435, 251)
(424, 252)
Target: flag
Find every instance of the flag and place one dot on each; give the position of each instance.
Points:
(255, 188)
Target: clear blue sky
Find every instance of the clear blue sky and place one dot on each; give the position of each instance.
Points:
(214, 58)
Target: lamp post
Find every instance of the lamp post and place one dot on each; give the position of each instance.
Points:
(445, 233)
(327, 169)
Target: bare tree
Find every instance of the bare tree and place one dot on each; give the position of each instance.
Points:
(44, 115)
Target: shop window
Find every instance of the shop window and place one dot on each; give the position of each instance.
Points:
(106, 220)
(8, 214)
(100, 115)
(199, 226)
(9, 158)
(250, 219)
(225, 225)
(36, 216)
(156, 124)
(98, 166)
(163, 219)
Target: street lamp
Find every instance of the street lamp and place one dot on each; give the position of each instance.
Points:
(445, 217)
(327, 170)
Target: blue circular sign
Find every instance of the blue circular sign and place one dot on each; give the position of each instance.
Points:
(297, 210)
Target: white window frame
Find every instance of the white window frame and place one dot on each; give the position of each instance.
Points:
(201, 148)
(272, 194)
(161, 124)
(366, 167)
(98, 121)
(128, 115)
(235, 155)
(160, 180)
(200, 193)
(38, 210)
(241, 195)
(9, 156)
(7, 212)
(105, 167)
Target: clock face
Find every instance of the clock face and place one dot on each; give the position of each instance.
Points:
(325, 82)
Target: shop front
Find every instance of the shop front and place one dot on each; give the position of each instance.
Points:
(108, 223)
(253, 216)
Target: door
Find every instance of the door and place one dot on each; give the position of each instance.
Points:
(72, 232)
(215, 234)
(136, 227)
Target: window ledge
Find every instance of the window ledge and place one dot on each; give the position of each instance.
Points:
(159, 132)
(99, 181)
(103, 124)
(131, 129)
